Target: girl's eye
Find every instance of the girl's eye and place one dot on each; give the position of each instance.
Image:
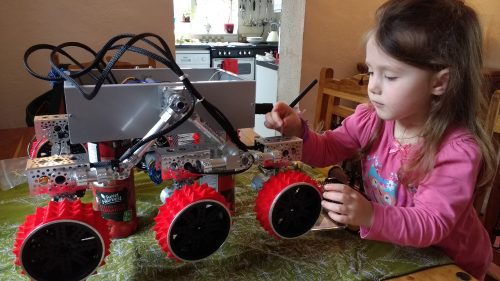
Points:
(370, 73)
(391, 78)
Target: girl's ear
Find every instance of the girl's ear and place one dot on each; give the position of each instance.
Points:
(440, 82)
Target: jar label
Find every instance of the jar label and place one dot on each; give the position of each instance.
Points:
(113, 205)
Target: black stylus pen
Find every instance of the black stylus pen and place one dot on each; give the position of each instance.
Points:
(263, 108)
(303, 93)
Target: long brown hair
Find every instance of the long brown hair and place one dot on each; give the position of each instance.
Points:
(434, 35)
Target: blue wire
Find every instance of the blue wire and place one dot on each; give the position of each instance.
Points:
(154, 175)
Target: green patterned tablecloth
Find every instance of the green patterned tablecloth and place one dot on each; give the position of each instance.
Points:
(248, 254)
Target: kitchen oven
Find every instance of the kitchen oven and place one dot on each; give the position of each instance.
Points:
(243, 53)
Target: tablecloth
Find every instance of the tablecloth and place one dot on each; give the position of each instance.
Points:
(248, 254)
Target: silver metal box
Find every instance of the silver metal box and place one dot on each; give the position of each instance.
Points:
(125, 111)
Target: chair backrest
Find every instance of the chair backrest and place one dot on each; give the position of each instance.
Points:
(337, 98)
(492, 122)
(486, 203)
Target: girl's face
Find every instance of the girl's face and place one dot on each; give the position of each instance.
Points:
(398, 91)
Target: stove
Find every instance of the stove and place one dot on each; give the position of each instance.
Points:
(241, 50)
(244, 53)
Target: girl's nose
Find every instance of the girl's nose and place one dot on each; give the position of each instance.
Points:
(373, 85)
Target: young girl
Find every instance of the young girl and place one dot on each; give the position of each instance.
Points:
(423, 150)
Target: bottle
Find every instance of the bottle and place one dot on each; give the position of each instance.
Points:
(115, 199)
(224, 184)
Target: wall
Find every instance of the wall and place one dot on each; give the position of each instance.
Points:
(488, 11)
(333, 32)
(24, 23)
(291, 49)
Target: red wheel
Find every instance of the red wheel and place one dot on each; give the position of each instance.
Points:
(288, 204)
(65, 240)
(193, 223)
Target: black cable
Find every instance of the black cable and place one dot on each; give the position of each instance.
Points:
(165, 58)
(149, 54)
(98, 61)
(39, 47)
(168, 59)
(99, 56)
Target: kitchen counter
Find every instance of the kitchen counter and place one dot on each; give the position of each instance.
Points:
(198, 46)
(267, 64)
(208, 45)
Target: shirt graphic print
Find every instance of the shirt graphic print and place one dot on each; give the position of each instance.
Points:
(379, 188)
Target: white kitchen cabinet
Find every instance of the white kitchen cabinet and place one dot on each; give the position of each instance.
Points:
(266, 91)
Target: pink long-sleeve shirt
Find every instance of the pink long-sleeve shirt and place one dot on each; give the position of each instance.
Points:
(439, 211)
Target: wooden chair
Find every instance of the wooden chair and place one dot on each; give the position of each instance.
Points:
(338, 98)
(489, 210)
(491, 219)
(492, 127)
(492, 122)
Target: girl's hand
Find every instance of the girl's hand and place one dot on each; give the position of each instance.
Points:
(346, 205)
(284, 119)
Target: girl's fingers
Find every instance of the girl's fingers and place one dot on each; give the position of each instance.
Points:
(336, 192)
(277, 118)
(340, 187)
(282, 108)
(334, 206)
(346, 205)
(334, 196)
(270, 122)
(339, 218)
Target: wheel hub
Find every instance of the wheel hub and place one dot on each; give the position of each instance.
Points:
(62, 250)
